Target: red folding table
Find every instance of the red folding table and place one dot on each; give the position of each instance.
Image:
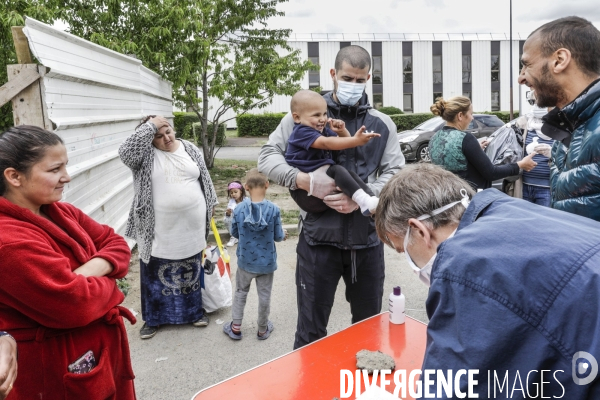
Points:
(313, 371)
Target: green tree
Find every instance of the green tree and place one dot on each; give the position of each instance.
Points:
(12, 13)
(208, 49)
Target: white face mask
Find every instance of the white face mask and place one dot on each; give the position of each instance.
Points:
(425, 272)
(349, 93)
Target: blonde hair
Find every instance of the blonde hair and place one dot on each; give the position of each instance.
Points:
(256, 179)
(449, 109)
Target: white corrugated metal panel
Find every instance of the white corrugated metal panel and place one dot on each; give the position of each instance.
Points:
(481, 65)
(516, 71)
(391, 61)
(369, 88)
(96, 98)
(327, 53)
(422, 76)
(452, 68)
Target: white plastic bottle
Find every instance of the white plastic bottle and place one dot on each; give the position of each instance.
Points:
(397, 306)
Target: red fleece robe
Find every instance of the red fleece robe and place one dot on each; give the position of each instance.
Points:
(56, 315)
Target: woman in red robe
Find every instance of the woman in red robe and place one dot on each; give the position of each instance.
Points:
(58, 294)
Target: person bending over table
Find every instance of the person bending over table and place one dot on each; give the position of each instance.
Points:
(494, 305)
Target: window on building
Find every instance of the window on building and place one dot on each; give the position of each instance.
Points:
(466, 69)
(408, 102)
(436, 95)
(376, 74)
(495, 101)
(495, 68)
(437, 69)
(467, 94)
(377, 100)
(407, 68)
(314, 77)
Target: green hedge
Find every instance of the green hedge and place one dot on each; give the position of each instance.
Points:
(185, 123)
(503, 115)
(390, 110)
(197, 129)
(183, 120)
(405, 122)
(258, 124)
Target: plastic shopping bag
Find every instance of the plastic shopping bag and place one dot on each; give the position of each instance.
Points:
(505, 147)
(217, 291)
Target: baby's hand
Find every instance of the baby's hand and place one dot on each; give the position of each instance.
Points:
(285, 234)
(363, 136)
(338, 126)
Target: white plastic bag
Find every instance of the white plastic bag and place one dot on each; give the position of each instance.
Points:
(217, 292)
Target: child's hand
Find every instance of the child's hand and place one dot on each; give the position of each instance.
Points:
(363, 136)
(228, 212)
(338, 126)
(285, 234)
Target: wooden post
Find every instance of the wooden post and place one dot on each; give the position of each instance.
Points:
(29, 106)
(21, 45)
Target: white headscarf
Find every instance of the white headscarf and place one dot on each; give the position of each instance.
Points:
(534, 122)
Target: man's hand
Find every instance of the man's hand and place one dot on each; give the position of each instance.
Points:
(321, 184)
(543, 149)
(340, 203)
(338, 126)
(8, 365)
(363, 136)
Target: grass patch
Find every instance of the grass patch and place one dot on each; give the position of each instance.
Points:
(289, 217)
(231, 133)
(225, 171)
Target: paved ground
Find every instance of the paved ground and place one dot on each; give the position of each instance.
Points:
(238, 153)
(200, 357)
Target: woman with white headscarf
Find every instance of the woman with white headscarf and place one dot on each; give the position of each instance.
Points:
(534, 185)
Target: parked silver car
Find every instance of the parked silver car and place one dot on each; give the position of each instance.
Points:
(415, 142)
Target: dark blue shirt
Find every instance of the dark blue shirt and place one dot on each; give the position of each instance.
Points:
(300, 155)
(540, 175)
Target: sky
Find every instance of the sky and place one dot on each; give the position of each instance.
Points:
(427, 16)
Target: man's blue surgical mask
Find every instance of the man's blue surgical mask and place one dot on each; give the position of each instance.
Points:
(349, 93)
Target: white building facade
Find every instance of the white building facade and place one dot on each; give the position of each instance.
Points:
(410, 70)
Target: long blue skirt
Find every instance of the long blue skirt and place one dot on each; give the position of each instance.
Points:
(170, 290)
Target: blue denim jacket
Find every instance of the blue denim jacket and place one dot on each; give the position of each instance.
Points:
(506, 305)
(258, 227)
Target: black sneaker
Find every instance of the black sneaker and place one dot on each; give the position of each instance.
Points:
(202, 321)
(148, 332)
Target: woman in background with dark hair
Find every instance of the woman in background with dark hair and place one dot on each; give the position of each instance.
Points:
(59, 297)
(169, 218)
(460, 152)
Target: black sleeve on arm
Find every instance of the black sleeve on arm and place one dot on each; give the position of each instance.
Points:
(475, 155)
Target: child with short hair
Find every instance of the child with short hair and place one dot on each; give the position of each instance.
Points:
(257, 225)
(309, 148)
(236, 194)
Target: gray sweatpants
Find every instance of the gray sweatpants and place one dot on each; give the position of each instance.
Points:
(264, 284)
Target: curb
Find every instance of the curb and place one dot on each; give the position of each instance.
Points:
(225, 235)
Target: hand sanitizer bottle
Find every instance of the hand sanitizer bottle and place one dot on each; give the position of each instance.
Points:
(397, 306)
